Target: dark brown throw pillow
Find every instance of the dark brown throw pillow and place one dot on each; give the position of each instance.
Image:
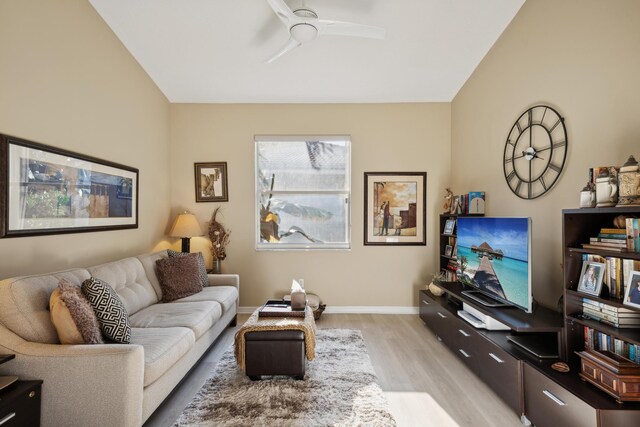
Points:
(73, 317)
(202, 270)
(178, 277)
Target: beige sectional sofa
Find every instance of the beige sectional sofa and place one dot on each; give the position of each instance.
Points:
(112, 384)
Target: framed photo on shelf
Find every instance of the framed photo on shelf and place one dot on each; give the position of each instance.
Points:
(448, 250)
(48, 190)
(632, 293)
(591, 277)
(449, 226)
(211, 182)
(395, 208)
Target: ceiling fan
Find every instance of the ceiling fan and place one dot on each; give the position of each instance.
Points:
(304, 26)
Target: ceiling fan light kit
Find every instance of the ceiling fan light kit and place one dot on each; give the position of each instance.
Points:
(304, 26)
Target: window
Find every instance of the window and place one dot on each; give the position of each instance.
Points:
(303, 192)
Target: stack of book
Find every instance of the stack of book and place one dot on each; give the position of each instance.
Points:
(633, 235)
(610, 239)
(611, 315)
(599, 341)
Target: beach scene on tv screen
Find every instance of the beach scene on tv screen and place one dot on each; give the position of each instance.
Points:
(497, 253)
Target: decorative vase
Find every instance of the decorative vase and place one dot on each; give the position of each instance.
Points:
(435, 289)
(606, 189)
(587, 197)
(217, 266)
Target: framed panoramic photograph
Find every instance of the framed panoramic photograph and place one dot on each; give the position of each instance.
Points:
(632, 293)
(394, 208)
(591, 277)
(211, 182)
(47, 190)
(449, 226)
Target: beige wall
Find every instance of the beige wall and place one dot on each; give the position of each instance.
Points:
(580, 56)
(66, 81)
(393, 137)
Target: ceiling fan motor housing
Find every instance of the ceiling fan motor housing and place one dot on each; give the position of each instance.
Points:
(304, 32)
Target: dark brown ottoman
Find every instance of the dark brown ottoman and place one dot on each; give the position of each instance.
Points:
(275, 353)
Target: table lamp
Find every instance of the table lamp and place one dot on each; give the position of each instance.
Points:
(186, 226)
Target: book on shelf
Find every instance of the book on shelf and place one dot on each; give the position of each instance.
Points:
(599, 341)
(632, 234)
(608, 307)
(622, 231)
(622, 241)
(609, 317)
(606, 248)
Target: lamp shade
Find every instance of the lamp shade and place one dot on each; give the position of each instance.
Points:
(186, 225)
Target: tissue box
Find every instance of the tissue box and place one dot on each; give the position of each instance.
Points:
(298, 300)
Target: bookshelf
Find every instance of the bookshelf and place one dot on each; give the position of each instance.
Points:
(448, 263)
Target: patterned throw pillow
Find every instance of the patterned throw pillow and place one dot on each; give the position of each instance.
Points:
(202, 270)
(110, 311)
(178, 277)
(73, 316)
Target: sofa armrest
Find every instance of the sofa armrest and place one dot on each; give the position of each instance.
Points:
(88, 385)
(224, 280)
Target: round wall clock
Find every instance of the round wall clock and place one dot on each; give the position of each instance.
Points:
(535, 152)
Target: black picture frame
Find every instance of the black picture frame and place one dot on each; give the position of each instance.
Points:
(48, 190)
(406, 219)
(211, 182)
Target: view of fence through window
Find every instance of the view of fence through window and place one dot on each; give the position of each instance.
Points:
(303, 192)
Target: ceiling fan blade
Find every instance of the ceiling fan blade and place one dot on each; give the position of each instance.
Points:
(291, 44)
(339, 28)
(282, 10)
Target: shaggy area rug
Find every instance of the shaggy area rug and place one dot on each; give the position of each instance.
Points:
(339, 389)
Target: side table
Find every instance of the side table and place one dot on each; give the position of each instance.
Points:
(20, 404)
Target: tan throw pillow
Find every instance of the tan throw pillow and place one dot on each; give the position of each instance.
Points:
(178, 277)
(73, 317)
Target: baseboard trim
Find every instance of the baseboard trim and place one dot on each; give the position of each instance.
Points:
(357, 309)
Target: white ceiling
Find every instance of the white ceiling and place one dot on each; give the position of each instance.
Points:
(214, 51)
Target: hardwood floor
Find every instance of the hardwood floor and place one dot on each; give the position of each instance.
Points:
(425, 384)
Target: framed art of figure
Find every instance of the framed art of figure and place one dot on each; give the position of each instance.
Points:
(632, 293)
(394, 208)
(47, 190)
(591, 278)
(211, 182)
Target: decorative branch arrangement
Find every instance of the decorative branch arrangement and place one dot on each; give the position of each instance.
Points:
(219, 237)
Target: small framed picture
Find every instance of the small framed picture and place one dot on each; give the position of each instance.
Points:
(448, 250)
(211, 182)
(449, 226)
(632, 293)
(591, 277)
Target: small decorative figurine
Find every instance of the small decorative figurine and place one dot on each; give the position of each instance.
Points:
(448, 201)
(629, 183)
(588, 196)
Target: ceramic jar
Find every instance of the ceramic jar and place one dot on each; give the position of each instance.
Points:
(606, 190)
(629, 183)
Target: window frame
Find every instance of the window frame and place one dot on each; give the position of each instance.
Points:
(266, 246)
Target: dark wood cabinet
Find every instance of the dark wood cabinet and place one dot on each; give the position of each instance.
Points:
(477, 349)
(20, 404)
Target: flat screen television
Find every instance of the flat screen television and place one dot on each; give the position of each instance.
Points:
(497, 251)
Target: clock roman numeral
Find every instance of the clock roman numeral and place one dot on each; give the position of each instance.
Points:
(554, 126)
(509, 160)
(529, 189)
(543, 114)
(555, 167)
(518, 187)
(530, 117)
(559, 144)
(511, 175)
(541, 179)
(519, 127)
(510, 143)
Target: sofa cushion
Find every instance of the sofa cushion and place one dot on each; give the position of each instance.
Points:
(149, 264)
(128, 278)
(73, 316)
(110, 311)
(24, 304)
(197, 316)
(225, 295)
(163, 347)
(202, 270)
(179, 277)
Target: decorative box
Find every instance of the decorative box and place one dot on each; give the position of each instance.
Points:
(611, 373)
